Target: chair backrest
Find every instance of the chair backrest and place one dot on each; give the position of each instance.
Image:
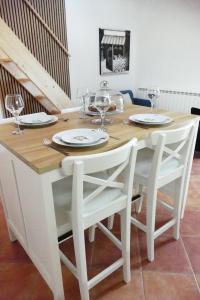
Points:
(84, 170)
(98, 162)
(174, 144)
(130, 94)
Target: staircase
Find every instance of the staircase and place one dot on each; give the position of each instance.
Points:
(25, 68)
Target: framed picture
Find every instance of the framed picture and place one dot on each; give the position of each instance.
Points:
(114, 51)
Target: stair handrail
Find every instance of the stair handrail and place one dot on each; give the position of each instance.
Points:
(46, 27)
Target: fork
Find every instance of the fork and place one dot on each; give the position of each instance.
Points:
(111, 136)
(48, 143)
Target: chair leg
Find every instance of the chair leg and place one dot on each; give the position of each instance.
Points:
(92, 231)
(125, 238)
(177, 207)
(151, 215)
(138, 204)
(79, 248)
(111, 222)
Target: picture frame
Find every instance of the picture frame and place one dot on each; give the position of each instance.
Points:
(114, 51)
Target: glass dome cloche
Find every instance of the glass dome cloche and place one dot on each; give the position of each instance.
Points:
(115, 100)
(106, 102)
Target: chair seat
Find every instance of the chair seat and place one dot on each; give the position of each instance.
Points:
(62, 192)
(144, 162)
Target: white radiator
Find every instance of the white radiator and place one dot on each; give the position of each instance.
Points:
(174, 100)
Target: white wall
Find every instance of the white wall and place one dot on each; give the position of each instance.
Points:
(84, 18)
(167, 34)
(165, 42)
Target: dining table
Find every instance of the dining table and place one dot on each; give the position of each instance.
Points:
(28, 169)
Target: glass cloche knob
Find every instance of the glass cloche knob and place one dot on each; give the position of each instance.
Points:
(104, 84)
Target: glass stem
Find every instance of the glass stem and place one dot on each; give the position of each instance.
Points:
(102, 119)
(152, 104)
(83, 108)
(17, 121)
(84, 105)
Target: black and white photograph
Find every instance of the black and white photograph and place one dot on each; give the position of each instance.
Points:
(114, 51)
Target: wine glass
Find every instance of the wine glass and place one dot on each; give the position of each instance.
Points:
(82, 97)
(153, 94)
(15, 104)
(102, 103)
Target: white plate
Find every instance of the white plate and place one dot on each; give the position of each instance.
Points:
(80, 136)
(41, 119)
(150, 119)
(103, 137)
(53, 119)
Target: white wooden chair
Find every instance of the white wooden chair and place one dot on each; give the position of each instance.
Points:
(88, 195)
(163, 166)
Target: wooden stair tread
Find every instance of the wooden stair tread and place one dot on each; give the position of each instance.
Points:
(39, 97)
(24, 67)
(22, 80)
(5, 60)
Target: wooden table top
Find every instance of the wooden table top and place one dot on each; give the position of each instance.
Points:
(29, 148)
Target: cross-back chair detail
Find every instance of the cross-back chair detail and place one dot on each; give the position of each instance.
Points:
(104, 183)
(96, 194)
(172, 153)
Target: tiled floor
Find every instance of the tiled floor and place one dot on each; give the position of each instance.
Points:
(174, 275)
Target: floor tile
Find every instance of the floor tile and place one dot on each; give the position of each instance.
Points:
(196, 156)
(196, 164)
(135, 255)
(194, 182)
(102, 252)
(70, 284)
(192, 246)
(110, 288)
(198, 280)
(190, 224)
(10, 251)
(193, 202)
(196, 169)
(162, 217)
(20, 281)
(170, 255)
(164, 286)
(114, 288)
